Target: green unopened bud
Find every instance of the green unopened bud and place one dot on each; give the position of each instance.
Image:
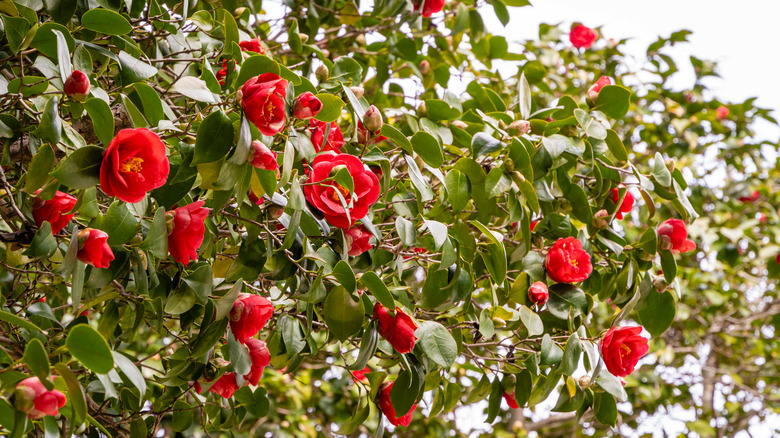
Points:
(23, 398)
(422, 109)
(659, 283)
(361, 39)
(372, 119)
(425, 67)
(357, 91)
(498, 322)
(460, 124)
(601, 219)
(584, 381)
(518, 127)
(509, 165)
(322, 73)
(239, 12)
(670, 164)
(304, 38)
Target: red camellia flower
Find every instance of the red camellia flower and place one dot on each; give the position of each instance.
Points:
(222, 73)
(510, 400)
(626, 205)
(262, 98)
(361, 375)
(750, 199)
(224, 386)
(323, 195)
(135, 163)
(37, 401)
(55, 211)
(722, 113)
(253, 45)
(77, 86)
(93, 248)
(249, 315)
(621, 348)
(387, 407)
(674, 236)
(429, 7)
(398, 330)
(593, 91)
(306, 106)
(567, 262)
(777, 258)
(582, 37)
(538, 293)
(534, 224)
(261, 157)
(335, 137)
(260, 356)
(357, 240)
(188, 231)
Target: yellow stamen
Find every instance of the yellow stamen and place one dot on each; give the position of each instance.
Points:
(132, 165)
(573, 262)
(625, 350)
(344, 192)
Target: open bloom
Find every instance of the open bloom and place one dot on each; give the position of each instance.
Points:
(34, 399)
(335, 137)
(626, 205)
(327, 195)
(582, 37)
(55, 211)
(567, 262)
(621, 348)
(387, 408)
(188, 231)
(262, 98)
(260, 357)
(674, 236)
(94, 249)
(358, 240)
(306, 106)
(135, 163)
(77, 86)
(398, 330)
(249, 315)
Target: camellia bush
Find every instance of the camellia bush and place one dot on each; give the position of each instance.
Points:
(372, 221)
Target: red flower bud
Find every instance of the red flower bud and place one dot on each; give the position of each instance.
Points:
(753, 197)
(398, 330)
(358, 240)
(509, 397)
(306, 106)
(260, 357)
(262, 158)
(249, 315)
(567, 262)
(253, 45)
(538, 293)
(621, 348)
(372, 119)
(77, 86)
(722, 113)
(361, 375)
(33, 398)
(593, 91)
(673, 236)
(93, 248)
(225, 386)
(626, 205)
(518, 127)
(54, 211)
(582, 37)
(387, 408)
(429, 7)
(188, 230)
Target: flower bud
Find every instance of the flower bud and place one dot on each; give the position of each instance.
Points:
(77, 86)
(670, 164)
(593, 91)
(601, 219)
(425, 67)
(422, 109)
(372, 119)
(304, 38)
(306, 106)
(460, 124)
(322, 73)
(23, 398)
(360, 39)
(509, 165)
(239, 12)
(584, 381)
(518, 127)
(498, 322)
(538, 293)
(357, 91)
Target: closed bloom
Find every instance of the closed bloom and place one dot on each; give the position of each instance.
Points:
(593, 91)
(260, 357)
(55, 211)
(567, 262)
(582, 37)
(253, 45)
(361, 375)
(625, 206)
(188, 231)
(389, 411)
(34, 399)
(249, 315)
(135, 163)
(753, 197)
(509, 397)
(77, 86)
(93, 248)
(326, 196)
(398, 330)
(306, 106)
(674, 236)
(261, 157)
(621, 348)
(225, 386)
(262, 98)
(358, 240)
(538, 293)
(429, 7)
(335, 137)
(372, 119)
(722, 113)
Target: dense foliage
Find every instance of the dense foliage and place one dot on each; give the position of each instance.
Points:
(355, 221)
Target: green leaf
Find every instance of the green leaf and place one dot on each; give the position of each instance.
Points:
(523, 386)
(150, 102)
(17, 321)
(483, 144)
(347, 70)
(531, 321)
(90, 348)
(661, 172)
(605, 408)
(435, 291)
(458, 189)
(566, 297)
(106, 21)
(208, 336)
(38, 172)
(571, 355)
(403, 394)
(63, 54)
(551, 352)
(50, 128)
(668, 265)
(613, 101)
(131, 371)
(486, 326)
(200, 281)
(76, 395)
(119, 223)
(214, 138)
(255, 66)
(428, 148)
(343, 273)
(494, 402)
(419, 182)
(377, 287)
(250, 261)
(37, 360)
(612, 385)
(292, 337)
(497, 182)
(657, 312)
(133, 69)
(439, 110)
(397, 137)
(102, 119)
(156, 241)
(368, 347)
(331, 107)
(15, 31)
(523, 97)
(43, 244)
(590, 125)
(81, 169)
(342, 313)
(194, 88)
(616, 146)
(355, 421)
(437, 343)
(406, 231)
